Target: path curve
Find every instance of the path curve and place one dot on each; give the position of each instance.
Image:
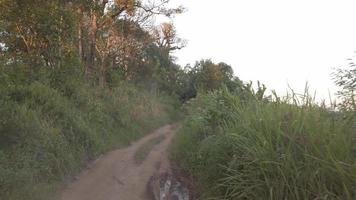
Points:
(116, 175)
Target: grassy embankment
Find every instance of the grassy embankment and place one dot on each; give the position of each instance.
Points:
(49, 130)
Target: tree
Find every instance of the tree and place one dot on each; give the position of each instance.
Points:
(166, 38)
(346, 80)
(36, 32)
(102, 18)
(206, 76)
(211, 76)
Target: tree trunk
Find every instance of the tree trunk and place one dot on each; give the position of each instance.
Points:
(102, 79)
(90, 63)
(80, 36)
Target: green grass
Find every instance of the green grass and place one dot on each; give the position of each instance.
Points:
(251, 148)
(142, 153)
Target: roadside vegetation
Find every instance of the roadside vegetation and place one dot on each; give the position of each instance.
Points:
(243, 144)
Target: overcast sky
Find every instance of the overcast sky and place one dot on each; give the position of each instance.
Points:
(278, 42)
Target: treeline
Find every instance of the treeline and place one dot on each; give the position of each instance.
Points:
(106, 41)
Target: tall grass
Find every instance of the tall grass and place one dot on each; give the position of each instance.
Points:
(253, 148)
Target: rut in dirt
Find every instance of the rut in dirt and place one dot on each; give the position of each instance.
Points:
(139, 172)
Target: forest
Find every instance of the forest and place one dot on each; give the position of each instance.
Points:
(81, 78)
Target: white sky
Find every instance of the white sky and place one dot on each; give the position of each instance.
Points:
(278, 42)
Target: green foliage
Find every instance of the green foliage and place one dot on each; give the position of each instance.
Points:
(239, 146)
(48, 130)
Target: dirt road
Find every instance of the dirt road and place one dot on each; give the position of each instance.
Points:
(117, 176)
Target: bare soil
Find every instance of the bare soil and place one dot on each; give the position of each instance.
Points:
(116, 175)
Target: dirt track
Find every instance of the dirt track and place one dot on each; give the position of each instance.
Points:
(116, 175)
